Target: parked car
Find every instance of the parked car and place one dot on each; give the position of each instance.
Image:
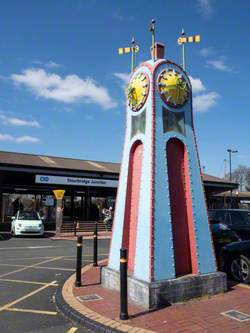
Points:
(237, 219)
(232, 253)
(27, 223)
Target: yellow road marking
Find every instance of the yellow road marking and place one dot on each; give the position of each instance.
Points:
(7, 306)
(28, 282)
(56, 268)
(12, 272)
(52, 313)
(26, 258)
(31, 266)
(42, 267)
(63, 257)
(72, 330)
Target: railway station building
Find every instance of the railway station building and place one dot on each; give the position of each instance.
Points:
(89, 186)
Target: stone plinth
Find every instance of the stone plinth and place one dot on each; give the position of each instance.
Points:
(158, 294)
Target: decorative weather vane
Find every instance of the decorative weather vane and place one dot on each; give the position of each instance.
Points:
(183, 39)
(133, 49)
(152, 30)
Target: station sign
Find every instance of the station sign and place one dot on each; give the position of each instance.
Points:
(58, 180)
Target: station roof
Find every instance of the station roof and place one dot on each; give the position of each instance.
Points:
(235, 194)
(64, 163)
(43, 161)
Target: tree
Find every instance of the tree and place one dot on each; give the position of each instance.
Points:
(241, 175)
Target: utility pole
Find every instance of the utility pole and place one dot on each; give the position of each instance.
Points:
(230, 152)
(225, 167)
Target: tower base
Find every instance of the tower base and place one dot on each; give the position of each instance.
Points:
(158, 294)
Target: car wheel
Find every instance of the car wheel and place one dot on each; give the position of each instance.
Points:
(240, 269)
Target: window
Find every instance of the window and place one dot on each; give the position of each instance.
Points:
(219, 215)
(28, 216)
(138, 123)
(240, 218)
(173, 121)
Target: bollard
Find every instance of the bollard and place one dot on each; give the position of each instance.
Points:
(78, 262)
(95, 245)
(123, 285)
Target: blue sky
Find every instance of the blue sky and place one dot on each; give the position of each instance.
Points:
(62, 81)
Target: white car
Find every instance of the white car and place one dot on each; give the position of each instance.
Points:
(27, 223)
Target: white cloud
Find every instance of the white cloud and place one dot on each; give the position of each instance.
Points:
(19, 139)
(37, 62)
(6, 137)
(205, 7)
(52, 64)
(219, 64)
(207, 51)
(70, 89)
(27, 139)
(197, 85)
(124, 77)
(119, 17)
(203, 102)
(49, 64)
(19, 122)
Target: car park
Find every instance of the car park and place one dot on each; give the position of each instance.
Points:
(232, 253)
(236, 219)
(27, 223)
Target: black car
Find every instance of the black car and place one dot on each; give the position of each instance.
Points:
(232, 253)
(236, 219)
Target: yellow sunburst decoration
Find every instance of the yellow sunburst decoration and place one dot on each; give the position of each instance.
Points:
(173, 88)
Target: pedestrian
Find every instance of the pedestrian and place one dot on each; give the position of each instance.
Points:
(15, 206)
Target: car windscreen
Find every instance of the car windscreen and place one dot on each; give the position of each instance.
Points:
(28, 216)
(240, 217)
(218, 215)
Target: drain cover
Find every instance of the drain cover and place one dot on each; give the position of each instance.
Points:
(237, 315)
(86, 298)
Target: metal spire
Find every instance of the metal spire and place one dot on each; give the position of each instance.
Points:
(152, 30)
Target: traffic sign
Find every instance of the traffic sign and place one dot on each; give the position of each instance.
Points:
(59, 194)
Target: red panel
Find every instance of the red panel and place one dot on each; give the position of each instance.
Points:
(181, 209)
(132, 202)
(190, 215)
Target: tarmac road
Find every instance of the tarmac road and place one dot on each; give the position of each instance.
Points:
(30, 270)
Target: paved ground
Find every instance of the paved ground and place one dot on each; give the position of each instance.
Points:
(201, 315)
(30, 270)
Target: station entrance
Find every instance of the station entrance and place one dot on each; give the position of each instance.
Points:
(31, 179)
(84, 205)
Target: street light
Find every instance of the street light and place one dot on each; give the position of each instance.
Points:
(230, 152)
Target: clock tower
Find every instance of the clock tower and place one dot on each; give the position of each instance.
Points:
(160, 214)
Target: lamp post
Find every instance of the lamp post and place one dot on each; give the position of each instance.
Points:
(230, 152)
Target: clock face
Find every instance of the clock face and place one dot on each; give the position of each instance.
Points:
(137, 92)
(173, 88)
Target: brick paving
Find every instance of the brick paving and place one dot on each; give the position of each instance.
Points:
(200, 315)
